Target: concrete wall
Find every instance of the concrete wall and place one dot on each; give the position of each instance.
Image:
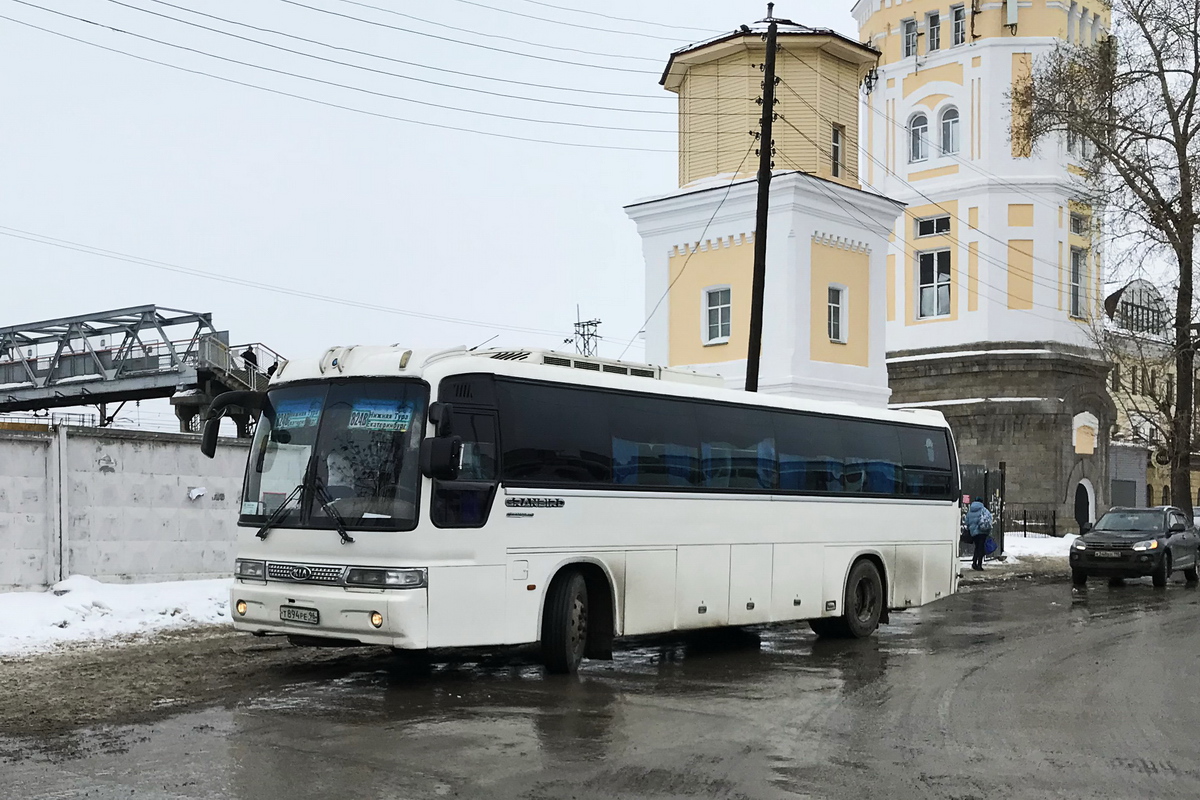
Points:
(116, 505)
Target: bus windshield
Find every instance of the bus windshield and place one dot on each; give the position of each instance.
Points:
(327, 450)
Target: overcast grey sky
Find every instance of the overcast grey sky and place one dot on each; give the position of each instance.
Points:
(107, 151)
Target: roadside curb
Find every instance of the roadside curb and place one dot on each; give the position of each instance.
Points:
(1027, 567)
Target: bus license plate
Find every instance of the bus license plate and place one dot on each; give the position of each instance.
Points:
(309, 616)
(1107, 554)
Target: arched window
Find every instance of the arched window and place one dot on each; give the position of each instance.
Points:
(950, 131)
(918, 138)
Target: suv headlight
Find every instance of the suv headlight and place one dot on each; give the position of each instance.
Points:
(250, 570)
(1080, 544)
(385, 578)
(1149, 544)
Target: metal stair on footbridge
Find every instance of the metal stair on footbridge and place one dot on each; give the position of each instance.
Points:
(123, 355)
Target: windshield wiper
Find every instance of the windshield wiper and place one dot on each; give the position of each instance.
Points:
(278, 513)
(327, 506)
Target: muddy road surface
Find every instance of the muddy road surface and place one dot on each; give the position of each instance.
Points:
(1027, 689)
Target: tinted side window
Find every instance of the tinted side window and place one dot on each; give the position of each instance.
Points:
(553, 434)
(810, 452)
(478, 432)
(928, 470)
(737, 448)
(872, 463)
(654, 441)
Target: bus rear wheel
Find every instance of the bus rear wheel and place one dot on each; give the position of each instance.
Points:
(565, 624)
(862, 607)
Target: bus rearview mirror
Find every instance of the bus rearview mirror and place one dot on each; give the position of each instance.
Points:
(441, 457)
(208, 441)
(440, 415)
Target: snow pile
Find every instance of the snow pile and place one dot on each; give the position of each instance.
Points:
(1018, 546)
(83, 609)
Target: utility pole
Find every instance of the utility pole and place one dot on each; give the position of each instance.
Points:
(586, 338)
(766, 147)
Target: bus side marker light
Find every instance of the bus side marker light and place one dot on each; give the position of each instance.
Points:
(702, 610)
(831, 605)
(531, 587)
(796, 602)
(377, 619)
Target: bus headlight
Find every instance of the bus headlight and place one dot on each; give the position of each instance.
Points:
(241, 607)
(377, 619)
(385, 578)
(250, 570)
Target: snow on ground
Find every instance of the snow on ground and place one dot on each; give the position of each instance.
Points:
(1016, 546)
(81, 609)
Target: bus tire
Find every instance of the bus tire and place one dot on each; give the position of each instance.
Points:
(565, 624)
(864, 601)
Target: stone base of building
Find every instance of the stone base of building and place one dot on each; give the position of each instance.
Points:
(1041, 409)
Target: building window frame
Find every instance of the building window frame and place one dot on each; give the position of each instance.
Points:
(1078, 283)
(934, 294)
(938, 225)
(951, 125)
(837, 313)
(918, 138)
(838, 150)
(933, 31)
(1079, 224)
(958, 25)
(908, 44)
(716, 300)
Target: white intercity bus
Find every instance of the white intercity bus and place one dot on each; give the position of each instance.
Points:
(457, 498)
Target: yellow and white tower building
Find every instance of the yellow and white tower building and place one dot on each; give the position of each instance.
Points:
(823, 330)
(992, 279)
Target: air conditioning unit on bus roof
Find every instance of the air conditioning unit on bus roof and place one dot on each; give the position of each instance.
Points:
(603, 365)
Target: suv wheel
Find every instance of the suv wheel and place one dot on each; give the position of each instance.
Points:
(1162, 571)
(1078, 577)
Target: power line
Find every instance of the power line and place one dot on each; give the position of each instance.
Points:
(588, 106)
(423, 66)
(335, 84)
(687, 260)
(623, 19)
(66, 244)
(459, 29)
(551, 21)
(466, 44)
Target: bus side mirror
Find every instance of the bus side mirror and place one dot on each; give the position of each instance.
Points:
(441, 457)
(208, 440)
(440, 414)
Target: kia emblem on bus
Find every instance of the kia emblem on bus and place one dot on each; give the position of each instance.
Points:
(301, 573)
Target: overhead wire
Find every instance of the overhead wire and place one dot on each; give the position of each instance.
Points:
(505, 95)
(622, 19)
(66, 244)
(461, 29)
(336, 84)
(377, 23)
(551, 21)
(686, 261)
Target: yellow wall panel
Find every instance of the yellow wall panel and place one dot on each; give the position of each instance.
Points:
(1020, 274)
(1020, 215)
(973, 276)
(724, 263)
(852, 270)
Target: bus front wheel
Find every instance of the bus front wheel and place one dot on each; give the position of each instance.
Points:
(862, 606)
(565, 624)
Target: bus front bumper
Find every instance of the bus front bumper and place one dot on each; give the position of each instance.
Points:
(340, 614)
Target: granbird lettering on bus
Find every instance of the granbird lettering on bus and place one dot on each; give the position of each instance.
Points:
(535, 502)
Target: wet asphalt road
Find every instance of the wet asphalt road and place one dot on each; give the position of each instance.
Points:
(1026, 691)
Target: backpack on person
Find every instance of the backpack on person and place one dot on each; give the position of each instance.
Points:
(985, 521)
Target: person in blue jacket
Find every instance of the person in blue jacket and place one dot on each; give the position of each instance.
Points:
(979, 526)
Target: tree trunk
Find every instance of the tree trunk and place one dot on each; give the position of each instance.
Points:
(1181, 427)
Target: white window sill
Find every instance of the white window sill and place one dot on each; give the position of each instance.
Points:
(933, 316)
(837, 341)
(714, 342)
